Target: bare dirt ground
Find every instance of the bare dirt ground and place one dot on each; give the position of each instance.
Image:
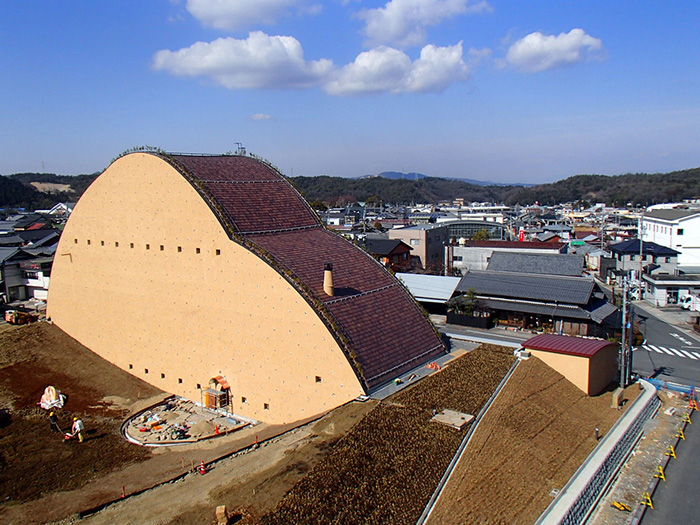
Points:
(35, 461)
(368, 456)
(44, 479)
(537, 433)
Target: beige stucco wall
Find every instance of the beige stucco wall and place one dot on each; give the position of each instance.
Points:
(573, 368)
(182, 312)
(604, 369)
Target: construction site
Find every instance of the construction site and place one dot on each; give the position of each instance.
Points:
(321, 393)
(368, 461)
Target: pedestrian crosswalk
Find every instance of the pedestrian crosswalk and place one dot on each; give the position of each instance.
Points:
(670, 351)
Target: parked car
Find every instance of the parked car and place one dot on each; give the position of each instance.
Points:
(690, 302)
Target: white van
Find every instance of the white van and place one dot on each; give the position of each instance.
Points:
(690, 302)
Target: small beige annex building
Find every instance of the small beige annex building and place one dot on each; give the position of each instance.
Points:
(201, 272)
(590, 364)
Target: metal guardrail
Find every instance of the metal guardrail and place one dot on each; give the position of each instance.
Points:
(674, 387)
(580, 495)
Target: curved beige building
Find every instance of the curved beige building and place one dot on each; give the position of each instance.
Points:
(182, 269)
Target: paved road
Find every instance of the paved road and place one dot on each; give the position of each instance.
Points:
(668, 352)
(675, 500)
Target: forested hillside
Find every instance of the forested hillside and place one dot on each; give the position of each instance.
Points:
(337, 191)
(17, 195)
(637, 189)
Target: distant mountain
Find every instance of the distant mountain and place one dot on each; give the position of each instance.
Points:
(637, 189)
(395, 175)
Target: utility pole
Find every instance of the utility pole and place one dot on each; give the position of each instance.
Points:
(641, 253)
(626, 339)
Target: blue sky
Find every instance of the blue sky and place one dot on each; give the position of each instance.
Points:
(503, 91)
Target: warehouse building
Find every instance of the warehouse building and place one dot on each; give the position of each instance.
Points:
(211, 278)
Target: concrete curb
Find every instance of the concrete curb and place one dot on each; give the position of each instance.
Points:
(477, 339)
(580, 495)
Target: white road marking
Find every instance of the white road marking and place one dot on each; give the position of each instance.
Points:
(675, 352)
(671, 351)
(690, 355)
(680, 338)
(666, 350)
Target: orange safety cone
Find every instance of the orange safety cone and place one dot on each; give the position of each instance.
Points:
(202, 468)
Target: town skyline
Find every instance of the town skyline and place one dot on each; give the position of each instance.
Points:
(493, 91)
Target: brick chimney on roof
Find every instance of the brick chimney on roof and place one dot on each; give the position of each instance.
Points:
(328, 280)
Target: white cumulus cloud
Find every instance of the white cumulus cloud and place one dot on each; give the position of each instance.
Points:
(385, 69)
(258, 62)
(538, 52)
(404, 22)
(243, 14)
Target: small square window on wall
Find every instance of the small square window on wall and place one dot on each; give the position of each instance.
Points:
(116, 244)
(76, 241)
(218, 252)
(162, 376)
(131, 367)
(148, 246)
(88, 241)
(131, 245)
(162, 247)
(199, 387)
(679, 231)
(179, 380)
(145, 370)
(198, 250)
(179, 249)
(244, 400)
(102, 243)
(318, 379)
(266, 406)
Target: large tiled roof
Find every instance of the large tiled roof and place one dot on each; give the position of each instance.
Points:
(550, 288)
(380, 327)
(552, 264)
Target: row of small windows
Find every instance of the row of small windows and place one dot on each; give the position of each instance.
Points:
(266, 406)
(148, 246)
(663, 229)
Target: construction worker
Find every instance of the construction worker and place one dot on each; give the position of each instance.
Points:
(53, 418)
(78, 428)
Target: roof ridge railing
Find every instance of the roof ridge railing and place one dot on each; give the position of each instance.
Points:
(362, 294)
(281, 230)
(241, 181)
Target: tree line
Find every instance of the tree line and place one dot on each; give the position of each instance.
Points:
(636, 189)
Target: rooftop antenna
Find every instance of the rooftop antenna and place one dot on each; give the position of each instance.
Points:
(240, 150)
